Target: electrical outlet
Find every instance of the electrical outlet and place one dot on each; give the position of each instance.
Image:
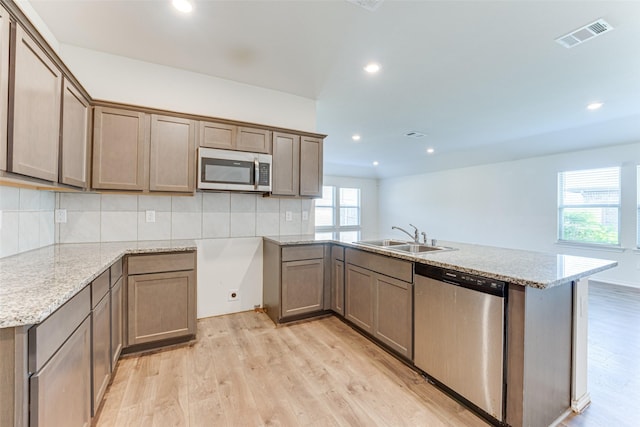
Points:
(234, 295)
(305, 215)
(150, 216)
(61, 216)
(288, 216)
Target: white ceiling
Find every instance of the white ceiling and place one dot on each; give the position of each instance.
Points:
(484, 80)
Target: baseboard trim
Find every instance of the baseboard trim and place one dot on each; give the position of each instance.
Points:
(561, 418)
(579, 405)
(614, 282)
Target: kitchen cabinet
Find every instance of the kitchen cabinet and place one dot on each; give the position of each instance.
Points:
(5, 34)
(74, 144)
(294, 281)
(173, 158)
(232, 137)
(337, 279)
(59, 359)
(161, 297)
(100, 339)
(120, 149)
(297, 165)
(34, 132)
(379, 298)
(117, 312)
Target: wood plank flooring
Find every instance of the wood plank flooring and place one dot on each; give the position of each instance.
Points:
(243, 371)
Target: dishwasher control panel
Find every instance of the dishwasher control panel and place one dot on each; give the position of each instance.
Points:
(470, 281)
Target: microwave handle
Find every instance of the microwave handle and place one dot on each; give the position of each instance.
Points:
(256, 173)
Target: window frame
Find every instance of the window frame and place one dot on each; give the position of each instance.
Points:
(336, 229)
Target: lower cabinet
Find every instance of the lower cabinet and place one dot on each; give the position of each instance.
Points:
(161, 297)
(378, 303)
(294, 285)
(100, 351)
(337, 279)
(117, 300)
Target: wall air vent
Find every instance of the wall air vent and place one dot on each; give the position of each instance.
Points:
(585, 33)
(370, 5)
(414, 134)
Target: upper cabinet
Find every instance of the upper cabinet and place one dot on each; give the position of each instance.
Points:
(173, 158)
(231, 137)
(120, 149)
(5, 30)
(74, 144)
(297, 165)
(37, 84)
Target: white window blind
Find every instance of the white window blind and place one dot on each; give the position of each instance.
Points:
(589, 206)
(338, 213)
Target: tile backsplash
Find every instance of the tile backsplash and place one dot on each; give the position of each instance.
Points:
(26, 219)
(110, 217)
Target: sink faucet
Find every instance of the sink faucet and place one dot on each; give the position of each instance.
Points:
(415, 236)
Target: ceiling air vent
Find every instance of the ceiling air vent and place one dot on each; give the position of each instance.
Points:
(414, 134)
(585, 33)
(370, 5)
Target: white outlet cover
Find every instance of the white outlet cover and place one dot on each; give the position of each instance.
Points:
(61, 216)
(288, 216)
(150, 216)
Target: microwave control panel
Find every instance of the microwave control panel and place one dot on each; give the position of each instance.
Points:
(263, 174)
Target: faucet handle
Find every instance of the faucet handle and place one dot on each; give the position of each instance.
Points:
(424, 237)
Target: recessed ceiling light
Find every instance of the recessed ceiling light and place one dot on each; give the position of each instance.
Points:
(376, 163)
(372, 68)
(356, 137)
(430, 150)
(183, 6)
(594, 106)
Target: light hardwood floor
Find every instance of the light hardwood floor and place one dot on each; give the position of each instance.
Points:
(243, 371)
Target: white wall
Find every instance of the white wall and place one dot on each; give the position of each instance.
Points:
(512, 204)
(368, 201)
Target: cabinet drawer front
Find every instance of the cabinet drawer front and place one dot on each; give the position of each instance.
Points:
(295, 253)
(388, 266)
(116, 272)
(337, 252)
(142, 264)
(99, 288)
(48, 336)
(217, 135)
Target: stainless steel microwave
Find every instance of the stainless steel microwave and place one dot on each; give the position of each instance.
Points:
(233, 170)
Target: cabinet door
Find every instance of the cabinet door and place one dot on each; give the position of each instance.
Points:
(5, 29)
(33, 149)
(253, 140)
(173, 158)
(302, 287)
(311, 167)
(359, 293)
(100, 351)
(393, 314)
(116, 322)
(74, 145)
(217, 135)
(337, 286)
(60, 393)
(120, 149)
(161, 306)
(286, 164)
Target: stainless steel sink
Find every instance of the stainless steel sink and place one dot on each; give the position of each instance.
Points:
(383, 243)
(418, 248)
(406, 247)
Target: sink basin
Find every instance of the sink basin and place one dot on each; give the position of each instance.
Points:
(384, 243)
(418, 249)
(406, 247)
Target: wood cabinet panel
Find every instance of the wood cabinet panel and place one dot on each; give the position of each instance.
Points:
(217, 135)
(253, 140)
(100, 351)
(310, 167)
(302, 287)
(5, 31)
(173, 158)
(60, 393)
(34, 143)
(393, 267)
(394, 305)
(161, 306)
(74, 144)
(100, 287)
(302, 252)
(337, 286)
(120, 149)
(117, 324)
(286, 164)
(359, 294)
(159, 263)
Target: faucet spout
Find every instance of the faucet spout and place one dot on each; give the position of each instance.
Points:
(413, 236)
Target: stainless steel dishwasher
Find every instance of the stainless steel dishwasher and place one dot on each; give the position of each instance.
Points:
(459, 334)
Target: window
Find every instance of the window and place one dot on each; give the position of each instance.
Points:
(589, 206)
(638, 203)
(338, 214)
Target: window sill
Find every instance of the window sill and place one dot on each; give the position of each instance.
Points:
(592, 246)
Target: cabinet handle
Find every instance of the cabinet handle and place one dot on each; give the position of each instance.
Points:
(256, 173)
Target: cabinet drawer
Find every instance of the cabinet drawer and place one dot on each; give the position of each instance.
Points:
(99, 288)
(388, 266)
(337, 252)
(177, 261)
(301, 252)
(116, 272)
(48, 336)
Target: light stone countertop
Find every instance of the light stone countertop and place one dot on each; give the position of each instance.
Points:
(34, 284)
(527, 268)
